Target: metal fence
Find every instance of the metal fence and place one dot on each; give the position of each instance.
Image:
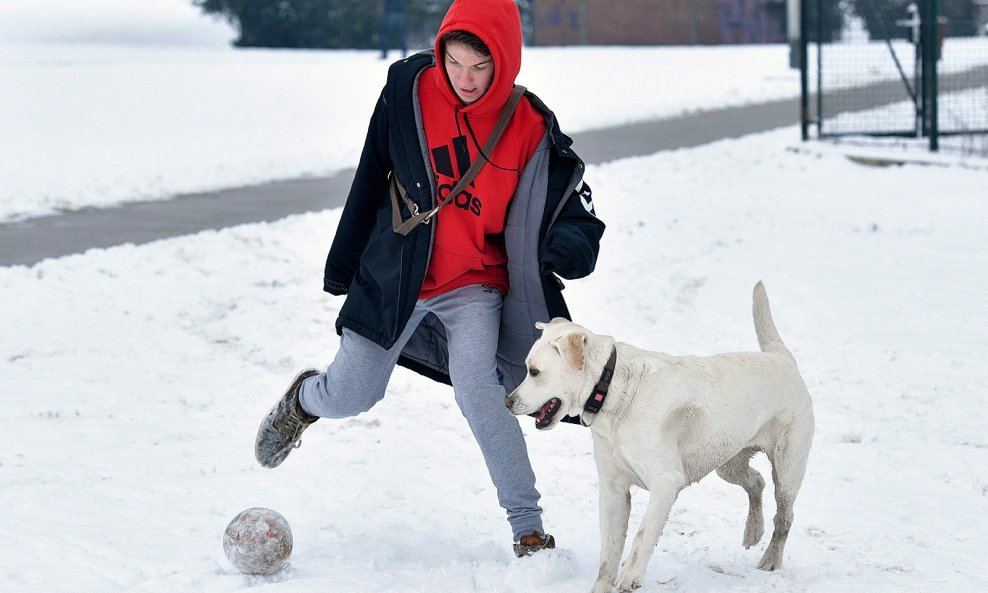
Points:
(896, 68)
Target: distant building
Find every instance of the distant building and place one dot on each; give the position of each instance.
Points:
(657, 22)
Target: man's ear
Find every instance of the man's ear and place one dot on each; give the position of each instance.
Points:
(572, 348)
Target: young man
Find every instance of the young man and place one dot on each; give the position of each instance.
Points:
(455, 299)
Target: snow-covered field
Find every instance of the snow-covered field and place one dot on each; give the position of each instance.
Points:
(132, 379)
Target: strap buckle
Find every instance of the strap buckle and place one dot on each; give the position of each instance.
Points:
(430, 215)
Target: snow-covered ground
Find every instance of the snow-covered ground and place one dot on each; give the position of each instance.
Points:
(132, 379)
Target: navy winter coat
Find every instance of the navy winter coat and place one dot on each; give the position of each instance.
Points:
(551, 231)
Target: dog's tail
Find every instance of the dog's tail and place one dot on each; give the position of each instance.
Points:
(768, 336)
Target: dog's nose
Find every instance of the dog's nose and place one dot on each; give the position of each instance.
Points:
(509, 401)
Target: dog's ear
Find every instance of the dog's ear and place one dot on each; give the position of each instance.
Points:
(572, 348)
(541, 325)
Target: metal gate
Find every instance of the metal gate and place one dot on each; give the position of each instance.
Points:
(906, 68)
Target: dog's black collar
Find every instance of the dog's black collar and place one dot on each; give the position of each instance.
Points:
(599, 394)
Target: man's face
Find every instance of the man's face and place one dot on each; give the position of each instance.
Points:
(469, 72)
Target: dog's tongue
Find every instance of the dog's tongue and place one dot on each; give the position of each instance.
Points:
(546, 412)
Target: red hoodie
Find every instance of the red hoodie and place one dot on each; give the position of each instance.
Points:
(469, 243)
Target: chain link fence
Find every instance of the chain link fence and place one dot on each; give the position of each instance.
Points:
(897, 68)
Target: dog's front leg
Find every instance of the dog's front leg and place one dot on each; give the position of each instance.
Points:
(615, 508)
(662, 493)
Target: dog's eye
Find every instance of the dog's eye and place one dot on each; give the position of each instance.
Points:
(533, 371)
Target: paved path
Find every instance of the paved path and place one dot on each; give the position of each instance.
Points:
(33, 240)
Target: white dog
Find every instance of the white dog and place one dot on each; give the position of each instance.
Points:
(663, 422)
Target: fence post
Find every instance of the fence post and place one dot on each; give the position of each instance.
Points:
(930, 19)
(804, 82)
(819, 67)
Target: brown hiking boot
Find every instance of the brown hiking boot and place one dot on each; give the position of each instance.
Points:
(530, 544)
(281, 429)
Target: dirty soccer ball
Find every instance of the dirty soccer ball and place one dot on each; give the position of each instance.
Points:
(258, 541)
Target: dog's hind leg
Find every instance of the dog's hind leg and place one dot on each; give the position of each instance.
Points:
(788, 468)
(737, 471)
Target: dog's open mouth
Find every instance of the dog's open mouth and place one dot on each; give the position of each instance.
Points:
(545, 414)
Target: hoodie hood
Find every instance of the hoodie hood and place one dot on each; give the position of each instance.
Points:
(498, 24)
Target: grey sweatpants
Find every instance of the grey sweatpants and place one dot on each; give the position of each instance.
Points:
(359, 375)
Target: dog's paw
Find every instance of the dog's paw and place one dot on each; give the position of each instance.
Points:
(753, 534)
(628, 582)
